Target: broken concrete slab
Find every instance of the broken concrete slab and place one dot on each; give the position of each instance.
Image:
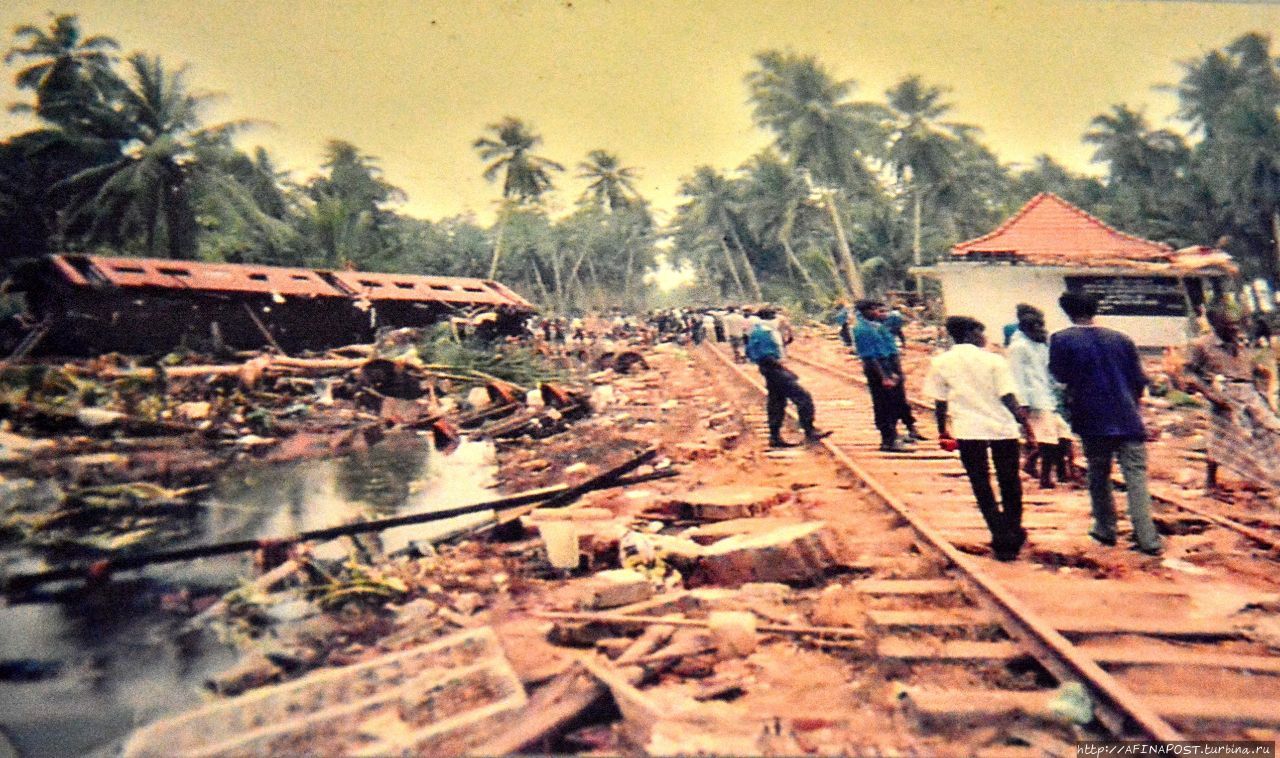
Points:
(615, 588)
(709, 534)
(794, 554)
(727, 502)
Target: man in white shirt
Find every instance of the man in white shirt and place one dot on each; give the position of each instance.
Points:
(1028, 353)
(735, 328)
(973, 392)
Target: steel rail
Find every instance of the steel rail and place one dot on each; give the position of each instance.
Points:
(1117, 707)
(1254, 535)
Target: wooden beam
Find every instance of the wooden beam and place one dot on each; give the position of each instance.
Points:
(906, 587)
(557, 703)
(620, 619)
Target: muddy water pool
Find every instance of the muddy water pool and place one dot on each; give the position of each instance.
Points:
(79, 670)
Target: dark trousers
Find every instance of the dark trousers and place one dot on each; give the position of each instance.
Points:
(898, 396)
(1004, 519)
(884, 406)
(783, 385)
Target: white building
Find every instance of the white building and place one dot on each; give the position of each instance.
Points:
(1148, 289)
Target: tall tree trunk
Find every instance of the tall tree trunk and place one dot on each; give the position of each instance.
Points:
(503, 216)
(626, 276)
(595, 281)
(915, 234)
(537, 278)
(1275, 240)
(733, 270)
(746, 261)
(784, 236)
(853, 277)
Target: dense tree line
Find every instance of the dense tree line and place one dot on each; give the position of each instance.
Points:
(122, 163)
(850, 194)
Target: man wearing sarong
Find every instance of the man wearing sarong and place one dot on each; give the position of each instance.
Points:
(1028, 354)
(1244, 433)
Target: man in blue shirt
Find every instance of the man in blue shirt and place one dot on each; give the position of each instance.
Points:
(1104, 381)
(879, 353)
(765, 350)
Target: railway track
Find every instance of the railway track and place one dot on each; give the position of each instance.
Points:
(1263, 532)
(1165, 649)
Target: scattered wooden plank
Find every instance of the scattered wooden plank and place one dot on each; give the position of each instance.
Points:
(556, 704)
(963, 705)
(956, 618)
(639, 713)
(949, 651)
(1258, 664)
(649, 640)
(1251, 711)
(968, 705)
(1172, 628)
(906, 587)
(620, 619)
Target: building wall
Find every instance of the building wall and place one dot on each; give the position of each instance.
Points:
(990, 293)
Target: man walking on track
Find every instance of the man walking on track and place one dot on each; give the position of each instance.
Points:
(1104, 380)
(764, 348)
(1028, 353)
(879, 353)
(973, 393)
(735, 327)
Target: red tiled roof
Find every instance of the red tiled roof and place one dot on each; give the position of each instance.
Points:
(1050, 231)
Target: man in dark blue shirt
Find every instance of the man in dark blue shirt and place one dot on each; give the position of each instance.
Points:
(1104, 381)
(764, 348)
(879, 353)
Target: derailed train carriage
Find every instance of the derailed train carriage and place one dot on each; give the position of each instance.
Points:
(89, 304)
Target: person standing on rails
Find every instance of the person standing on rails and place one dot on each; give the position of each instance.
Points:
(842, 319)
(892, 322)
(974, 400)
(764, 348)
(735, 328)
(1028, 354)
(1104, 380)
(878, 352)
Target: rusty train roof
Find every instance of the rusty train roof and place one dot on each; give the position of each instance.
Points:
(249, 279)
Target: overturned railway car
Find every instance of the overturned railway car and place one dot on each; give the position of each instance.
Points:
(89, 304)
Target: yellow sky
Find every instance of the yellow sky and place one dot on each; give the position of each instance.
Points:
(659, 82)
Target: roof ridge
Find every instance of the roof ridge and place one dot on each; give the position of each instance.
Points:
(1108, 227)
(1039, 199)
(1026, 207)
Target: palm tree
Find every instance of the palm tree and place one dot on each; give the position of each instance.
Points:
(773, 194)
(612, 185)
(922, 149)
(346, 214)
(1232, 96)
(69, 73)
(818, 130)
(1144, 165)
(525, 176)
(1134, 153)
(145, 194)
(710, 205)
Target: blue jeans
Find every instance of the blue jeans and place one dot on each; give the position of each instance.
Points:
(1132, 457)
